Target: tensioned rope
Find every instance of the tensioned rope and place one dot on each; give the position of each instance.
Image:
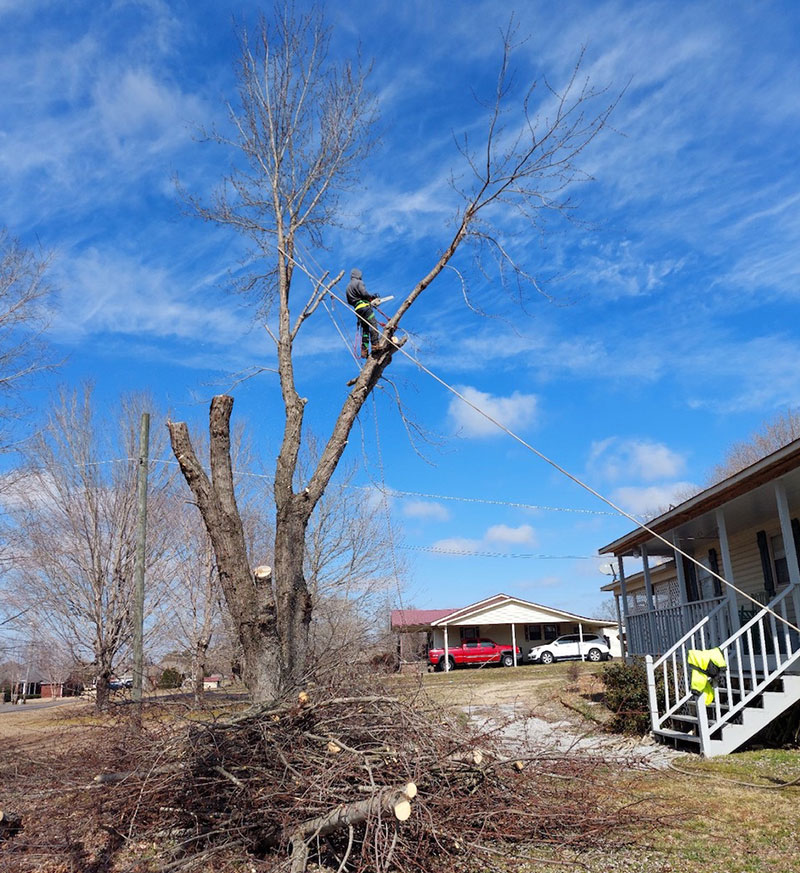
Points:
(564, 472)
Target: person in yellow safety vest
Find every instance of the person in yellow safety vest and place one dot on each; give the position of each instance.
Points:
(361, 300)
(706, 666)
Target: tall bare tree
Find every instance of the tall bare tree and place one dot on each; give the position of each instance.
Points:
(302, 127)
(73, 529)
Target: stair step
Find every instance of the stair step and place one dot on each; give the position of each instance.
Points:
(691, 719)
(677, 735)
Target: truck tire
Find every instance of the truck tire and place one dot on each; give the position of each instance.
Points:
(506, 659)
(445, 666)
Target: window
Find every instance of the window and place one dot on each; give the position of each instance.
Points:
(550, 631)
(487, 644)
(472, 644)
(469, 633)
(533, 632)
(779, 561)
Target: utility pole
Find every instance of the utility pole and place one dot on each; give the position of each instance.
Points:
(138, 570)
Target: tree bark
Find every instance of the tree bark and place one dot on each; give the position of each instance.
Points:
(250, 601)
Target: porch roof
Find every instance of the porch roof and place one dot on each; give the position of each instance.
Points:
(746, 492)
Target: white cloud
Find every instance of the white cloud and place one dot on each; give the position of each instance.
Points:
(502, 533)
(647, 501)
(426, 509)
(613, 459)
(460, 545)
(497, 537)
(516, 412)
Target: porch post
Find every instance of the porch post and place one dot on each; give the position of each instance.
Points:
(648, 588)
(446, 649)
(727, 571)
(788, 544)
(786, 532)
(679, 568)
(623, 639)
(514, 642)
(619, 622)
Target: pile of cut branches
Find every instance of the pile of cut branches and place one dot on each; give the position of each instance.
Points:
(355, 782)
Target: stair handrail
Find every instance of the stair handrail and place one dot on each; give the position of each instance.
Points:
(719, 719)
(767, 608)
(675, 646)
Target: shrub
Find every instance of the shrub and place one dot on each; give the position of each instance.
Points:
(626, 696)
(170, 678)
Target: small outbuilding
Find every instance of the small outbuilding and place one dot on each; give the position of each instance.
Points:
(506, 620)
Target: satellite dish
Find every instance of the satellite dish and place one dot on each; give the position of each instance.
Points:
(608, 570)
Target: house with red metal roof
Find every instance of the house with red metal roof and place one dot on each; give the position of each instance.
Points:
(506, 620)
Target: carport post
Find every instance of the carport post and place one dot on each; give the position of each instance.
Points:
(446, 650)
(514, 642)
(580, 640)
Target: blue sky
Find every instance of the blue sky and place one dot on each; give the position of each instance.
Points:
(673, 326)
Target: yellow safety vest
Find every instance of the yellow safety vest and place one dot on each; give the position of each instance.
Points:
(706, 664)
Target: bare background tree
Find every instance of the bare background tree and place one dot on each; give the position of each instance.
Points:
(72, 530)
(301, 129)
(24, 292)
(192, 612)
(353, 575)
(771, 436)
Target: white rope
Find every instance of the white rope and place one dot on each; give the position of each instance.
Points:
(564, 472)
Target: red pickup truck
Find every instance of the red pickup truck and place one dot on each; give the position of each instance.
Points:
(473, 652)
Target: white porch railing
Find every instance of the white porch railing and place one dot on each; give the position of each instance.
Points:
(654, 631)
(756, 654)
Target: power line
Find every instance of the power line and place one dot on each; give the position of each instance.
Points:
(391, 492)
(470, 553)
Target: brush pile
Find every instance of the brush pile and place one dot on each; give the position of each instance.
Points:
(355, 782)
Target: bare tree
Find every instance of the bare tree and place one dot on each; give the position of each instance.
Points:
(72, 531)
(192, 612)
(302, 127)
(23, 319)
(352, 573)
(771, 436)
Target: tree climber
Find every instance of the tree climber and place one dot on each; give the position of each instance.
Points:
(361, 301)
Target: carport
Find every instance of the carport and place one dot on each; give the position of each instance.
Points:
(505, 619)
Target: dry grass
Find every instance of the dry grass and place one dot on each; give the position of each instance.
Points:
(711, 824)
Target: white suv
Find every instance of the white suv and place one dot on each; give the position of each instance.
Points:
(595, 648)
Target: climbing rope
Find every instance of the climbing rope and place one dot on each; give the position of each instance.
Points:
(564, 472)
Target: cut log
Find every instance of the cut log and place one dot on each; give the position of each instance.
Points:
(396, 800)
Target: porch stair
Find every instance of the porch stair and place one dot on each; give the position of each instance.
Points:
(756, 688)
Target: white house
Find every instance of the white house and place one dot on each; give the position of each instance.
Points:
(720, 569)
(506, 620)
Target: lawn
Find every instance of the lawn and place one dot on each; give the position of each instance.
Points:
(712, 823)
(727, 815)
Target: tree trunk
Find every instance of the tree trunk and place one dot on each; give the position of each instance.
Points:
(250, 600)
(199, 669)
(294, 600)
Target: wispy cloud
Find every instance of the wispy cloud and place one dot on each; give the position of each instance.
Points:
(425, 509)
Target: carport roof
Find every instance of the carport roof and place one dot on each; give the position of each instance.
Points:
(419, 619)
